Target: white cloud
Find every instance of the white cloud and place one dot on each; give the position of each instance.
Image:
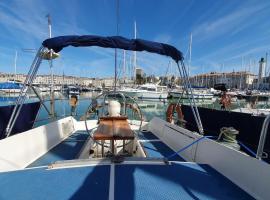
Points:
(232, 22)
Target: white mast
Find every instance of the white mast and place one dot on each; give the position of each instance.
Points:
(242, 66)
(130, 68)
(15, 66)
(49, 25)
(266, 56)
(51, 66)
(190, 51)
(225, 79)
(115, 50)
(135, 53)
(124, 66)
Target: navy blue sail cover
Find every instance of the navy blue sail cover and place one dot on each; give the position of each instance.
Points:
(58, 43)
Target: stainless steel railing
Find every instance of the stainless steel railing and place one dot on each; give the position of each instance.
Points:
(263, 137)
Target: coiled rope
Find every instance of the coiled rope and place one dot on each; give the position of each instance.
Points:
(227, 137)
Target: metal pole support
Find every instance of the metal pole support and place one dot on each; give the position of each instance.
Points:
(263, 137)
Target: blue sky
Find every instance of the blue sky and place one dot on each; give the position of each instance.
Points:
(225, 32)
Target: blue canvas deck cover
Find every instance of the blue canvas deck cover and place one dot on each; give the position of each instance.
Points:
(10, 85)
(58, 43)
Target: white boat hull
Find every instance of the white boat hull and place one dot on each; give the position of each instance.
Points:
(11, 90)
(146, 94)
(196, 96)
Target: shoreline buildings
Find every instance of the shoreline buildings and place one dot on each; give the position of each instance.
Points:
(238, 80)
(60, 80)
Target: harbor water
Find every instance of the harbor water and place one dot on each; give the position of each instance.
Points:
(149, 108)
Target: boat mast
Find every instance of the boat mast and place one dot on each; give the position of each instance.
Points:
(242, 66)
(115, 50)
(266, 56)
(190, 51)
(51, 69)
(124, 66)
(202, 76)
(15, 66)
(62, 89)
(225, 78)
(129, 73)
(135, 54)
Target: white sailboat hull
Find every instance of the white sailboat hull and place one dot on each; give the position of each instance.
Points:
(11, 90)
(147, 94)
(196, 96)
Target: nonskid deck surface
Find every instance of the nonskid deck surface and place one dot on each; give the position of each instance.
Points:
(70, 148)
(66, 150)
(70, 183)
(127, 181)
(176, 181)
(155, 148)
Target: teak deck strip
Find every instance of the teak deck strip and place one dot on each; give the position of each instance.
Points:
(113, 128)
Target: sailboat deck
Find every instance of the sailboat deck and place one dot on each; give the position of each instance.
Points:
(122, 181)
(69, 148)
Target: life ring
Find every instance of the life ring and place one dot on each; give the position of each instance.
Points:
(174, 107)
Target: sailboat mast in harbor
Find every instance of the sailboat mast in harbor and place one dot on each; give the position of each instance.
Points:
(51, 68)
(190, 51)
(124, 65)
(135, 54)
(266, 69)
(15, 66)
(241, 75)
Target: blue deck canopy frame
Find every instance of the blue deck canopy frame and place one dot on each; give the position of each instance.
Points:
(58, 43)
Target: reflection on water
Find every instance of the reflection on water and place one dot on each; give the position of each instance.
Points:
(149, 109)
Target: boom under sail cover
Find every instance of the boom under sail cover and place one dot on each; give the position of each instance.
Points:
(58, 43)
